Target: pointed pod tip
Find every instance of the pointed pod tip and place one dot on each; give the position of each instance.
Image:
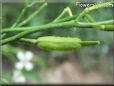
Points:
(89, 43)
(98, 42)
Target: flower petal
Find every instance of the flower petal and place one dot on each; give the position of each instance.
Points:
(18, 77)
(21, 56)
(19, 65)
(28, 66)
(28, 55)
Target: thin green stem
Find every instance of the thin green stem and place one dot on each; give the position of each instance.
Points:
(33, 41)
(100, 6)
(30, 4)
(36, 29)
(47, 27)
(101, 27)
(41, 8)
(28, 41)
(33, 15)
(58, 19)
(66, 19)
(78, 24)
(30, 17)
(67, 10)
(87, 10)
(89, 18)
(20, 17)
(22, 14)
(82, 14)
(84, 24)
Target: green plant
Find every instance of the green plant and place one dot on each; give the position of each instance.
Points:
(71, 21)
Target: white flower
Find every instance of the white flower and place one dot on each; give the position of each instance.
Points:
(18, 77)
(24, 60)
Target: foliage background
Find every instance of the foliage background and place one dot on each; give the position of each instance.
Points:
(87, 64)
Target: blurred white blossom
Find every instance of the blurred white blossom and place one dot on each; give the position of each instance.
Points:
(24, 60)
(18, 77)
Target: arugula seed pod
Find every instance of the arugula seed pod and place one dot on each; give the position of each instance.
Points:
(58, 43)
(107, 27)
(62, 43)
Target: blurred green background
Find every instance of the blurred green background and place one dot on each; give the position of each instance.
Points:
(87, 65)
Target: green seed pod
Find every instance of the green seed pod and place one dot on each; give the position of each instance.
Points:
(108, 27)
(58, 43)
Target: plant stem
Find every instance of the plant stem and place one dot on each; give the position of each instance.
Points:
(39, 28)
(20, 17)
(86, 25)
(63, 24)
(22, 14)
(30, 17)
(28, 41)
(57, 20)
(101, 27)
(47, 27)
(33, 41)
(100, 6)
(66, 19)
(67, 10)
(31, 3)
(33, 14)
(89, 18)
(87, 10)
